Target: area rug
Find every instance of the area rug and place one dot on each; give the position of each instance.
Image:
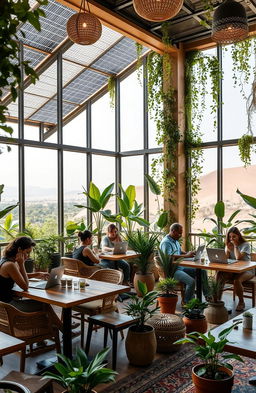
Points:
(173, 374)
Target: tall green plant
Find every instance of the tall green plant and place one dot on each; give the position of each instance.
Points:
(9, 228)
(155, 189)
(96, 203)
(167, 263)
(251, 201)
(13, 13)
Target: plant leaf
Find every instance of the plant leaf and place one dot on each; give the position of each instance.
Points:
(154, 187)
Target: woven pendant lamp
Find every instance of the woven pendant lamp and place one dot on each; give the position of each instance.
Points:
(229, 23)
(84, 28)
(157, 10)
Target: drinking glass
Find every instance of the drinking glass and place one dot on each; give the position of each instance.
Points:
(82, 283)
(63, 282)
(75, 284)
(69, 282)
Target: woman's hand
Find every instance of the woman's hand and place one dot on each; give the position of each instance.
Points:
(230, 246)
(42, 275)
(20, 258)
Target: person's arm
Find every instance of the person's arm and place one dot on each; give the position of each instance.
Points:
(41, 275)
(242, 254)
(105, 245)
(13, 271)
(228, 248)
(87, 252)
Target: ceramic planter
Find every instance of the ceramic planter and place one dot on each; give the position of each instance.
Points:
(216, 313)
(141, 346)
(148, 279)
(195, 325)
(168, 303)
(204, 385)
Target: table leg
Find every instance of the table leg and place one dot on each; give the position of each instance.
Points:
(199, 284)
(67, 334)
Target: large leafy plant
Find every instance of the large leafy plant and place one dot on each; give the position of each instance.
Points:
(162, 221)
(167, 263)
(194, 309)
(97, 201)
(130, 211)
(9, 229)
(81, 375)
(142, 308)
(210, 350)
(13, 13)
(251, 201)
(167, 286)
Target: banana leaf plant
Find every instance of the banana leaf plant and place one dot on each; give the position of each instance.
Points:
(9, 229)
(215, 237)
(5, 211)
(163, 214)
(130, 211)
(251, 201)
(97, 201)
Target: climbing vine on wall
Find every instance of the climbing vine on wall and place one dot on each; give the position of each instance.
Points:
(139, 49)
(112, 91)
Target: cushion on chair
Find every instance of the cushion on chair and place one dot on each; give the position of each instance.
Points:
(95, 304)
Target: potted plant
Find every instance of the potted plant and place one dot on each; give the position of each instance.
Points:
(69, 241)
(144, 244)
(81, 375)
(194, 318)
(247, 320)
(167, 299)
(215, 374)
(216, 311)
(140, 342)
(46, 254)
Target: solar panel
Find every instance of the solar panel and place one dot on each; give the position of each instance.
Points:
(32, 103)
(47, 84)
(48, 112)
(33, 57)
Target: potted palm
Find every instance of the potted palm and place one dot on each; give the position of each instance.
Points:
(46, 255)
(194, 318)
(216, 311)
(81, 375)
(167, 298)
(215, 374)
(140, 342)
(144, 244)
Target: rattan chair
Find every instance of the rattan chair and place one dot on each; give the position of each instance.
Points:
(32, 327)
(74, 267)
(100, 306)
(10, 386)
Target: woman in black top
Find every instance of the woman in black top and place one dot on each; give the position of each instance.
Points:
(83, 252)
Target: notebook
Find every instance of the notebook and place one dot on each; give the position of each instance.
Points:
(218, 255)
(54, 279)
(198, 255)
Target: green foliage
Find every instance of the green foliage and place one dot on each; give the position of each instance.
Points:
(6, 210)
(144, 244)
(209, 351)
(9, 229)
(194, 309)
(246, 148)
(112, 91)
(141, 308)
(251, 201)
(167, 263)
(80, 375)
(12, 14)
(44, 250)
(167, 286)
(156, 190)
(248, 314)
(214, 290)
(68, 239)
(139, 49)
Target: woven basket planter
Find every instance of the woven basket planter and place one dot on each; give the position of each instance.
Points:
(168, 329)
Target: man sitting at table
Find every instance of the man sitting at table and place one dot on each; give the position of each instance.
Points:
(171, 246)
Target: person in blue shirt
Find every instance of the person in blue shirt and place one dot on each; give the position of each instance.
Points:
(170, 245)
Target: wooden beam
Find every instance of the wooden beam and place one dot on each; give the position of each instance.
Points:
(122, 25)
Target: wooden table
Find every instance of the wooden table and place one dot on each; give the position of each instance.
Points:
(116, 257)
(67, 298)
(237, 267)
(243, 340)
(9, 344)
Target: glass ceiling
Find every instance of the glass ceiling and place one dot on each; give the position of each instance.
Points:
(86, 69)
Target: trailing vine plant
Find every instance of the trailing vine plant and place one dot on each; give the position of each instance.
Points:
(112, 91)
(139, 49)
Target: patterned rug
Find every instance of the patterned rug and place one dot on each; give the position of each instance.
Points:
(173, 374)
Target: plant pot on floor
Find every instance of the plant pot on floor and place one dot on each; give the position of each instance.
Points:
(216, 313)
(29, 265)
(141, 345)
(195, 325)
(148, 279)
(204, 385)
(55, 260)
(167, 303)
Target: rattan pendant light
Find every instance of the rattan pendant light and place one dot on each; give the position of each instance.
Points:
(157, 10)
(84, 28)
(229, 23)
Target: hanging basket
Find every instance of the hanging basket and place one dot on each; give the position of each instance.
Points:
(84, 28)
(157, 11)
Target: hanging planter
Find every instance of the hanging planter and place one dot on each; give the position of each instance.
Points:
(157, 11)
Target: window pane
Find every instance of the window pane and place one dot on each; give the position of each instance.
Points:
(41, 190)
(74, 179)
(131, 110)
(103, 124)
(31, 132)
(152, 131)
(14, 126)
(74, 133)
(235, 176)
(133, 174)
(9, 177)
(156, 202)
(234, 110)
(207, 196)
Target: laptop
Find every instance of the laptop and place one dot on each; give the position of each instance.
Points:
(197, 256)
(218, 255)
(120, 248)
(54, 279)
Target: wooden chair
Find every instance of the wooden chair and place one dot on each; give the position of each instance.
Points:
(74, 267)
(100, 306)
(34, 383)
(33, 327)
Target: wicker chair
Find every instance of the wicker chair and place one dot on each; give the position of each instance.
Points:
(13, 387)
(74, 267)
(100, 306)
(33, 327)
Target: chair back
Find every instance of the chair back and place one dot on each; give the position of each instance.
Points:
(253, 256)
(4, 319)
(13, 387)
(75, 267)
(108, 275)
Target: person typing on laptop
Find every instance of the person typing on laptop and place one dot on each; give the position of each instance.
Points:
(236, 247)
(170, 245)
(108, 244)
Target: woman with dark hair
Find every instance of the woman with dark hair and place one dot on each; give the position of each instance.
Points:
(12, 271)
(83, 252)
(108, 243)
(236, 247)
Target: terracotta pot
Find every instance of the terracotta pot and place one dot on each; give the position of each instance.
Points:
(148, 279)
(204, 385)
(141, 346)
(216, 313)
(168, 303)
(195, 325)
